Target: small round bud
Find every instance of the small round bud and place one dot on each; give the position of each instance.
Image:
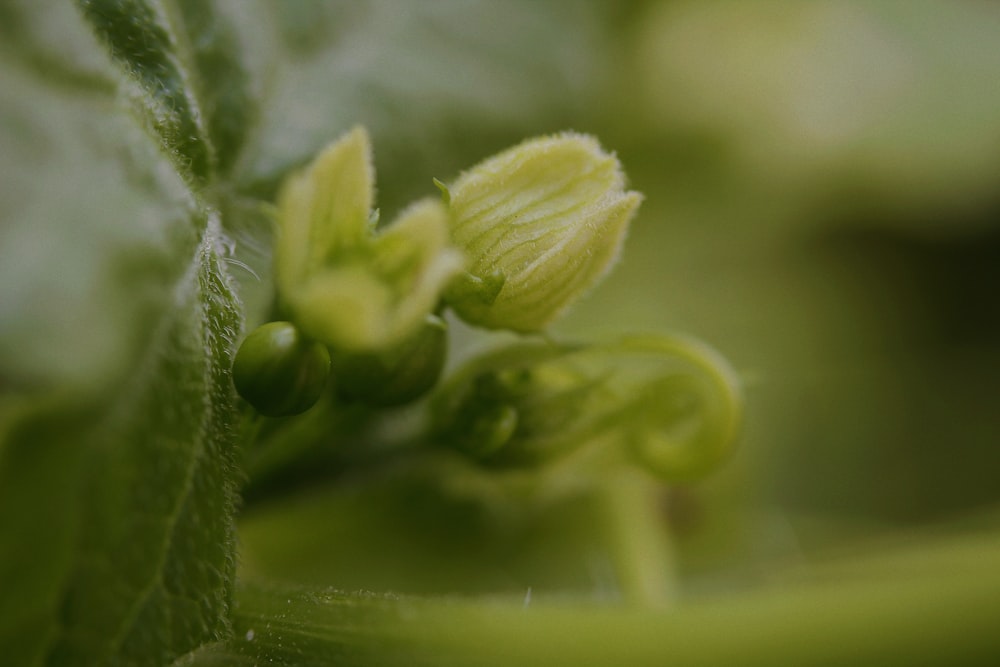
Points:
(279, 372)
(397, 376)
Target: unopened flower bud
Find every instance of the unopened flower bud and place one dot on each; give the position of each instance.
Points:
(379, 297)
(279, 372)
(669, 405)
(522, 405)
(540, 223)
(342, 282)
(398, 375)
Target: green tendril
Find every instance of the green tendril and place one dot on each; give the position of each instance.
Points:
(684, 423)
(667, 404)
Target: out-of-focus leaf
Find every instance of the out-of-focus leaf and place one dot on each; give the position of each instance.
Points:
(140, 40)
(221, 84)
(430, 526)
(892, 104)
(155, 562)
(439, 84)
(118, 322)
(190, 85)
(39, 527)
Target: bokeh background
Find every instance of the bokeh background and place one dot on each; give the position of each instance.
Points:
(822, 206)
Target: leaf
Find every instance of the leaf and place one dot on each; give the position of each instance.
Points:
(140, 41)
(191, 88)
(438, 84)
(222, 84)
(118, 322)
(155, 562)
(38, 530)
(143, 558)
(47, 46)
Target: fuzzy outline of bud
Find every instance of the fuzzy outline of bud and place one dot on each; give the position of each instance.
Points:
(541, 223)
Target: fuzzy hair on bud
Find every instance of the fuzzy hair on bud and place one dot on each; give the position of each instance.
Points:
(540, 223)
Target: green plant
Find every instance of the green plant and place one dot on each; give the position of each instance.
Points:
(510, 512)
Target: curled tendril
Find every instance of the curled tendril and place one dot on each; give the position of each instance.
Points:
(683, 422)
(668, 404)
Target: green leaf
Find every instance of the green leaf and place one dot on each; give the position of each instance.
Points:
(140, 40)
(37, 531)
(46, 45)
(125, 510)
(221, 83)
(118, 319)
(134, 559)
(155, 563)
(190, 87)
(438, 84)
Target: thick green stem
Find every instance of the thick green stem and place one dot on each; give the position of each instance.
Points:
(940, 606)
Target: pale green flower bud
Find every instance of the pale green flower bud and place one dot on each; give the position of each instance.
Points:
(540, 223)
(324, 210)
(380, 297)
(340, 281)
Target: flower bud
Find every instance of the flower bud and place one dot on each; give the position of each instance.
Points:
(323, 211)
(540, 224)
(396, 376)
(376, 298)
(341, 282)
(279, 372)
(522, 405)
(668, 405)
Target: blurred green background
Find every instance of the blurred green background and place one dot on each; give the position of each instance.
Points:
(822, 188)
(822, 184)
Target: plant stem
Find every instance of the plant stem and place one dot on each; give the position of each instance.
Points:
(940, 607)
(638, 538)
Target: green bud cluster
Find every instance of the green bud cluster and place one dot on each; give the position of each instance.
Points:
(516, 406)
(366, 296)
(516, 240)
(345, 283)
